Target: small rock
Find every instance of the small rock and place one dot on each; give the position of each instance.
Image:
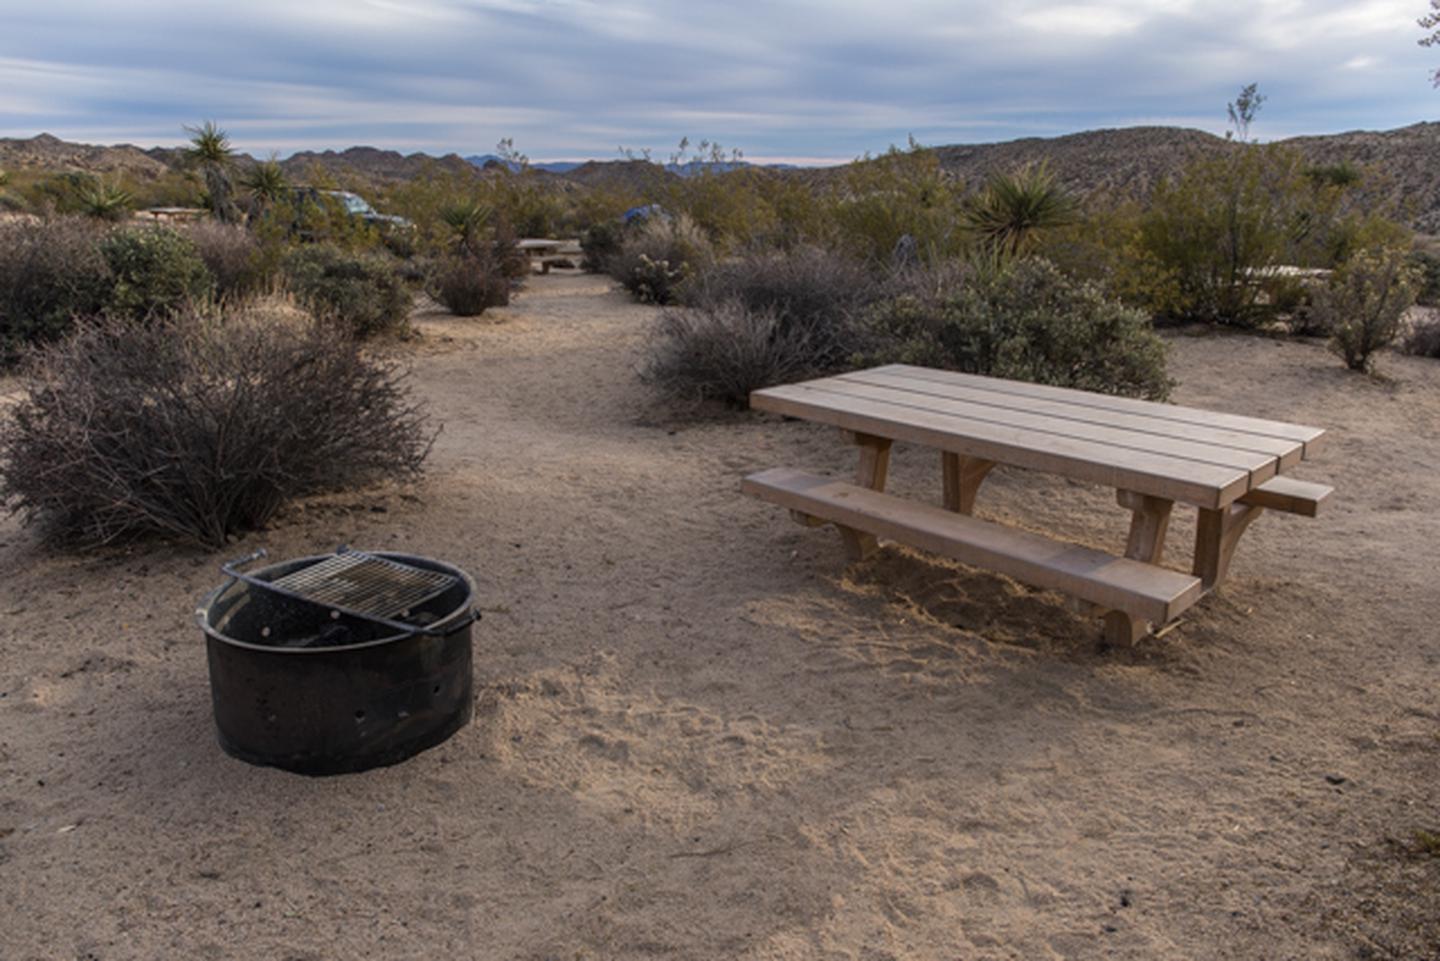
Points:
(1336, 778)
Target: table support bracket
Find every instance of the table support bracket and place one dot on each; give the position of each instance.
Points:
(871, 472)
(1217, 532)
(1149, 520)
(962, 478)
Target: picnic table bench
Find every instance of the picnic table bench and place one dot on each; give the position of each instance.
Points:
(1229, 467)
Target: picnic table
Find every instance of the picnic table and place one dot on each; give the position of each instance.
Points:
(540, 250)
(1229, 467)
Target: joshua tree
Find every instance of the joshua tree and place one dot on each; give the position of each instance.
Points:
(1013, 209)
(210, 151)
(1431, 21)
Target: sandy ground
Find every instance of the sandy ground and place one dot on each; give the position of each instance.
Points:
(701, 734)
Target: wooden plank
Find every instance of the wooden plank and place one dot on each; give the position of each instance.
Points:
(1205, 485)
(1287, 451)
(1260, 466)
(1310, 437)
(1289, 495)
(1142, 590)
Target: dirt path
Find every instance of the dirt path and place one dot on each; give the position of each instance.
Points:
(702, 735)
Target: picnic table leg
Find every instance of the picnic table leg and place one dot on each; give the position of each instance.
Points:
(873, 468)
(1149, 520)
(1216, 534)
(962, 479)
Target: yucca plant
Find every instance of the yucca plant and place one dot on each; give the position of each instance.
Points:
(265, 184)
(1015, 208)
(210, 151)
(467, 220)
(106, 201)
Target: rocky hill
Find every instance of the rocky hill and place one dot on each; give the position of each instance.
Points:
(369, 163)
(46, 152)
(1402, 166)
(1129, 160)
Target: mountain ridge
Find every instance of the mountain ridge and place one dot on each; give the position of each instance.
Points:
(1123, 161)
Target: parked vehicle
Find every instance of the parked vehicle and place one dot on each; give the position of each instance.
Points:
(351, 204)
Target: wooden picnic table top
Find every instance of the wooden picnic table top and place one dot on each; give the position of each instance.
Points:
(539, 245)
(1177, 453)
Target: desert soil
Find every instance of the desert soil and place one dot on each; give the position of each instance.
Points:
(701, 733)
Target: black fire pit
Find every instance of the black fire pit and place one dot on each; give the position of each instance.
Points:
(339, 663)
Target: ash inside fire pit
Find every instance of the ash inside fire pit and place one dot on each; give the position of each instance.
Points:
(339, 663)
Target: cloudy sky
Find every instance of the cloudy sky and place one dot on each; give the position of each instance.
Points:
(805, 80)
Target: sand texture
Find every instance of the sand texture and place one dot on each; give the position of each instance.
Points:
(701, 733)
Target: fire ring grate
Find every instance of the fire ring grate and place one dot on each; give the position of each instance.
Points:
(311, 671)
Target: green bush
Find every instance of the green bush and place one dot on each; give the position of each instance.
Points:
(1210, 236)
(157, 272)
(1427, 268)
(234, 416)
(600, 242)
(50, 273)
(899, 194)
(1216, 227)
(1365, 303)
(361, 292)
(1027, 321)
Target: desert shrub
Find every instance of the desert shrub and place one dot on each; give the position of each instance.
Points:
(600, 242)
(360, 292)
(468, 284)
(903, 193)
(656, 281)
(157, 272)
(1427, 270)
(232, 256)
(809, 291)
(658, 256)
(1365, 303)
(50, 273)
(1211, 235)
(1027, 321)
(722, 351)
(1424, 338)
(505, 252)
(1288, 295)
(237, 416)
(1219, 225)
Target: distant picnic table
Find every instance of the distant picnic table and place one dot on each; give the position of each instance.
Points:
(1229, 467)
(541, 250)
